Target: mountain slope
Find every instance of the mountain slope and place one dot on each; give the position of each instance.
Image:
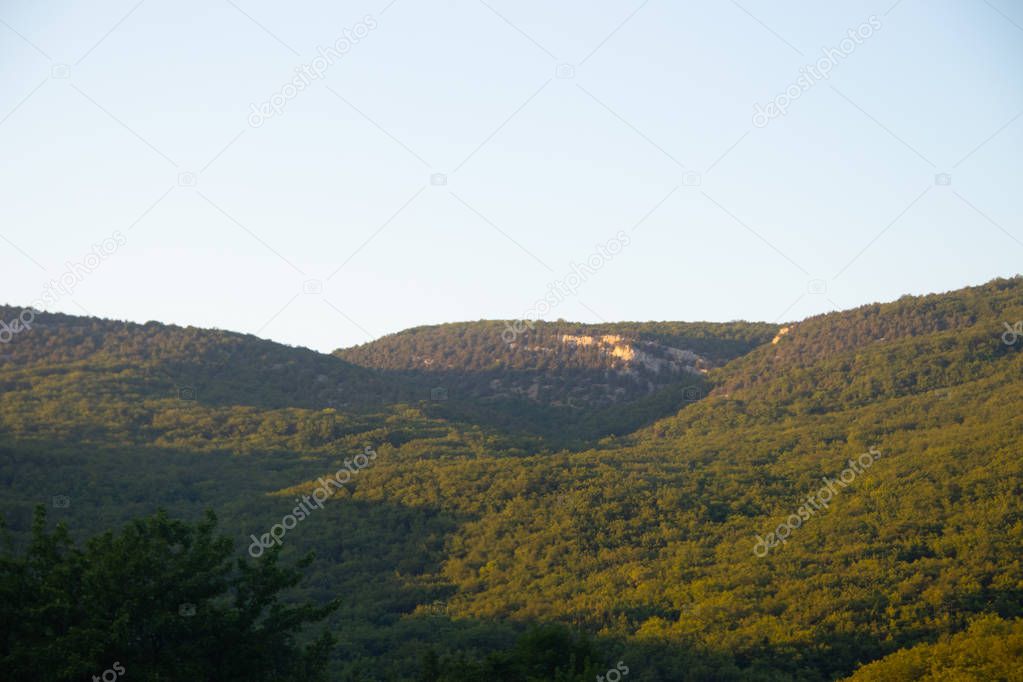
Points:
(459, 535)
(161, 360)
(559, 379)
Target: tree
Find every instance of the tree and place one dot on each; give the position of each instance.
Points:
(162, 598)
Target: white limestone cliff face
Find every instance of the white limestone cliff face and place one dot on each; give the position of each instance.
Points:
(646, 354)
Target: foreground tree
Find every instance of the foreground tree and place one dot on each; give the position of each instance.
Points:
(163, 599)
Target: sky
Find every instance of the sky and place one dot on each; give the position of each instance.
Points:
(448, 161)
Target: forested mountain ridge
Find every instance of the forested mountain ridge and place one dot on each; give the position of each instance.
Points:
(912, 335)
(575, 391)
(463, 533)
(475, 346)
(162, 360)
(587, 380)
(923, 345)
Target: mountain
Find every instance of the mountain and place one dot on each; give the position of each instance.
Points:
(840, 497)
(557, 377)
(161, 360)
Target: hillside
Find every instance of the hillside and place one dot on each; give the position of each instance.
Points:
(478, 346)
(558, 377)
(656, 543)
(213, 365)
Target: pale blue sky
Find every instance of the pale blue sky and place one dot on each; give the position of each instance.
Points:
(540, 169)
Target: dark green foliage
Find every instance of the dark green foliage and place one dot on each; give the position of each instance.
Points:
(548, 653)
(163, 599)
